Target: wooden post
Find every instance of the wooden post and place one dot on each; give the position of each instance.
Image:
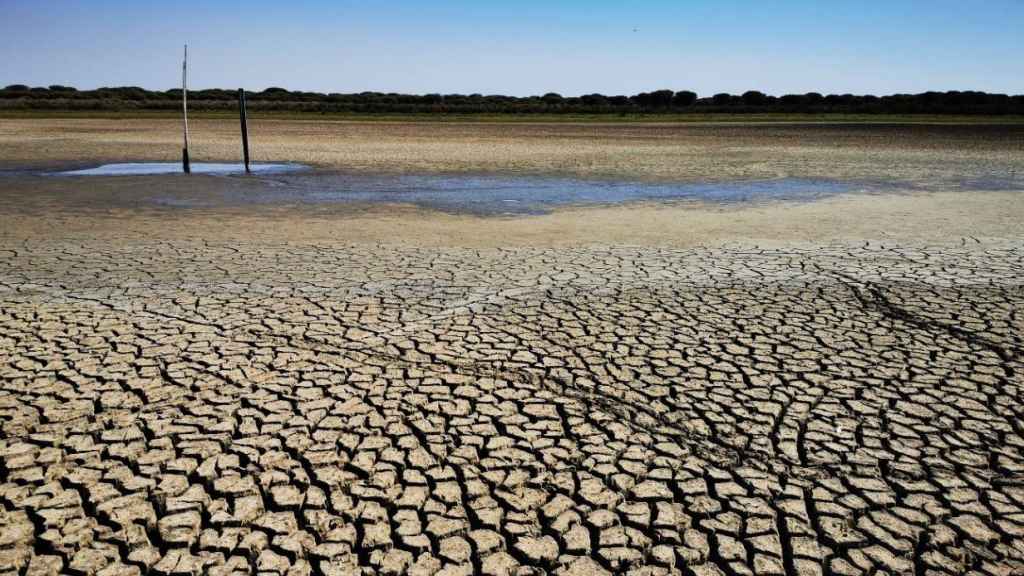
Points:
(185, 164)
(245, 128)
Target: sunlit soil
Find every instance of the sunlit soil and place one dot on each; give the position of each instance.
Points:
(762, 387)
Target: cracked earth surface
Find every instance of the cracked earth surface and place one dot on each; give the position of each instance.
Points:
(187, 407)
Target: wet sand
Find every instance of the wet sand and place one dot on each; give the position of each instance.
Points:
(940, 167)
(208, 208)
(773, 388)
(938, 218)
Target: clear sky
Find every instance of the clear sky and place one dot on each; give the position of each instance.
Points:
(520, 47)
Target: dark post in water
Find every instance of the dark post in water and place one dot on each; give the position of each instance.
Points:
(184, 111)
(245, 128)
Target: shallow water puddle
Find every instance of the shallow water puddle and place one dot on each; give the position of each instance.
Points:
(494, 194)
(146, 168)
(481, 194)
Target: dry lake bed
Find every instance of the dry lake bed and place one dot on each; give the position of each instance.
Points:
(678, 349)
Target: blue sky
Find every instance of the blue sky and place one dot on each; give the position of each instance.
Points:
(522, 47)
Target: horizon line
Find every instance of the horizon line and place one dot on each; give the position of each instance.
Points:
(69, 88)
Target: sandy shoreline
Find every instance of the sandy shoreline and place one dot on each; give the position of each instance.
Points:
(936, 218)
(641, 151)
(929, 157)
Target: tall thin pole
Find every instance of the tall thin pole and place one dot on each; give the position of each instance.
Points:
(184, 111)
(245, 128)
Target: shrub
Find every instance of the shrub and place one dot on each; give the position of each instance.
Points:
(684, 99)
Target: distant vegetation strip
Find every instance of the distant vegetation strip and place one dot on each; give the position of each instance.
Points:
(568, 118)
(660, 102)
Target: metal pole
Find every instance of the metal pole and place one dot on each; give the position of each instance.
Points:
(185, 165)
(245, 128)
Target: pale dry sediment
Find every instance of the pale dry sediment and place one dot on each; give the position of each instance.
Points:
(647, 151)
(238, 407)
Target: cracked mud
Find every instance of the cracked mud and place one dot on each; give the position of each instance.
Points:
(189, 407)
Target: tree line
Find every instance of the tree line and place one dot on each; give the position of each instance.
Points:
(57, 97)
